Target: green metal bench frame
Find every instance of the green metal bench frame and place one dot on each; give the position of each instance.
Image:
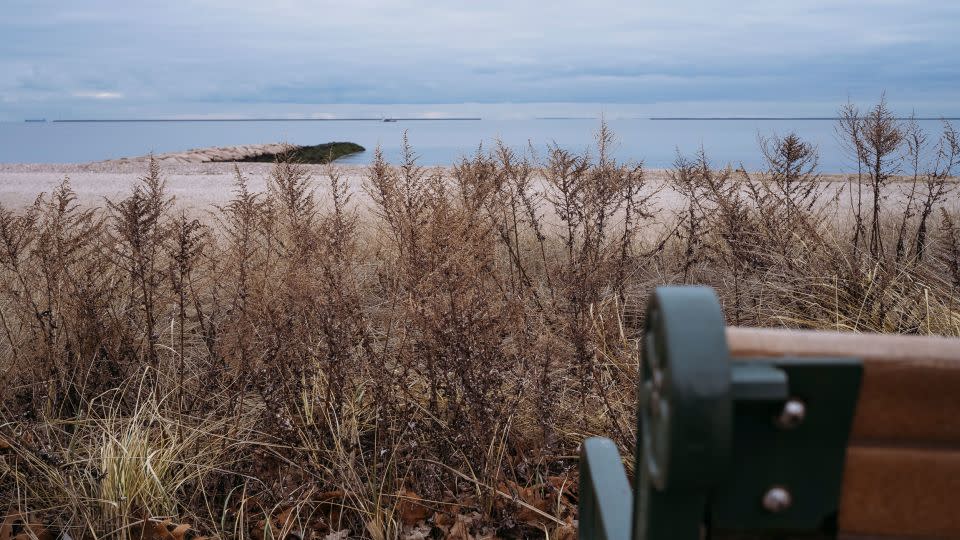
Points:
(725, 449)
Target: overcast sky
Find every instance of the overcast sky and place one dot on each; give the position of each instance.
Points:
(122, 58)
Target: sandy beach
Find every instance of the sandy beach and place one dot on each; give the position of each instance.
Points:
(192, 184)
(201, 185)
(200, 177)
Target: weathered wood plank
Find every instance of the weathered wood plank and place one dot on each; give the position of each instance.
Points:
(907, 493)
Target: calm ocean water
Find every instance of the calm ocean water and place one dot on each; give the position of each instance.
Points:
(437, 142)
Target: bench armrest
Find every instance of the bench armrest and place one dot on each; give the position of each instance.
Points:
(606, 501)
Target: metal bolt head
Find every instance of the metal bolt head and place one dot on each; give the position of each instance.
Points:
(655, 402)
(655, 387)
(777, 499)
(792, 415)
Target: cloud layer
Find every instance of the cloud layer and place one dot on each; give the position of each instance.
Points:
(111, 58)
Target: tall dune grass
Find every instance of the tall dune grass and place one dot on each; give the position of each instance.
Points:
(297, 367)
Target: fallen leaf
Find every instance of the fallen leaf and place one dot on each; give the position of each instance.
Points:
(18, 527)
(420, 532)
(534, 500)
(180, 532)
(330, 507)
(567, 531)
(444, 519)
(564, 484)
(461, 529)
(410, 508)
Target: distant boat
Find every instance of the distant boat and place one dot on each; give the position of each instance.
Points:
(35, 120)
(389, 119)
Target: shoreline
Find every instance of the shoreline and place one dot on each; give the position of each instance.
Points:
(219, 154)
(208, 184)
(176, 162)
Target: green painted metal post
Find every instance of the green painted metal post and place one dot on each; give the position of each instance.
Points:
(685, 417)
(604, 507)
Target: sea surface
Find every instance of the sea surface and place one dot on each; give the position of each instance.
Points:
(436, 142)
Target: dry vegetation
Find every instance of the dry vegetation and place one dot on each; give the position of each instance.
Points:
(301, 369)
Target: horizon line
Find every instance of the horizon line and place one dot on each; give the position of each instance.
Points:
(346, 119)
(463, 118)
(831, 118)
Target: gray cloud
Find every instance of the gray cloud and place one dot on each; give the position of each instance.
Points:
(105, 57)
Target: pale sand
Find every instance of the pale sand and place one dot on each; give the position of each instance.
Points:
(206, 155)
(200, 186)
(192, 176)
(192, 184)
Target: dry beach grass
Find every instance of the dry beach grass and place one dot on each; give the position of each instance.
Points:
(400, 352)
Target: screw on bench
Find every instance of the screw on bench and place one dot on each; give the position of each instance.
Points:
(794, 411)
(777, 499)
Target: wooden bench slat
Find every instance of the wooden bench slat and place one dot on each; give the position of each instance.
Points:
(906, 493)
